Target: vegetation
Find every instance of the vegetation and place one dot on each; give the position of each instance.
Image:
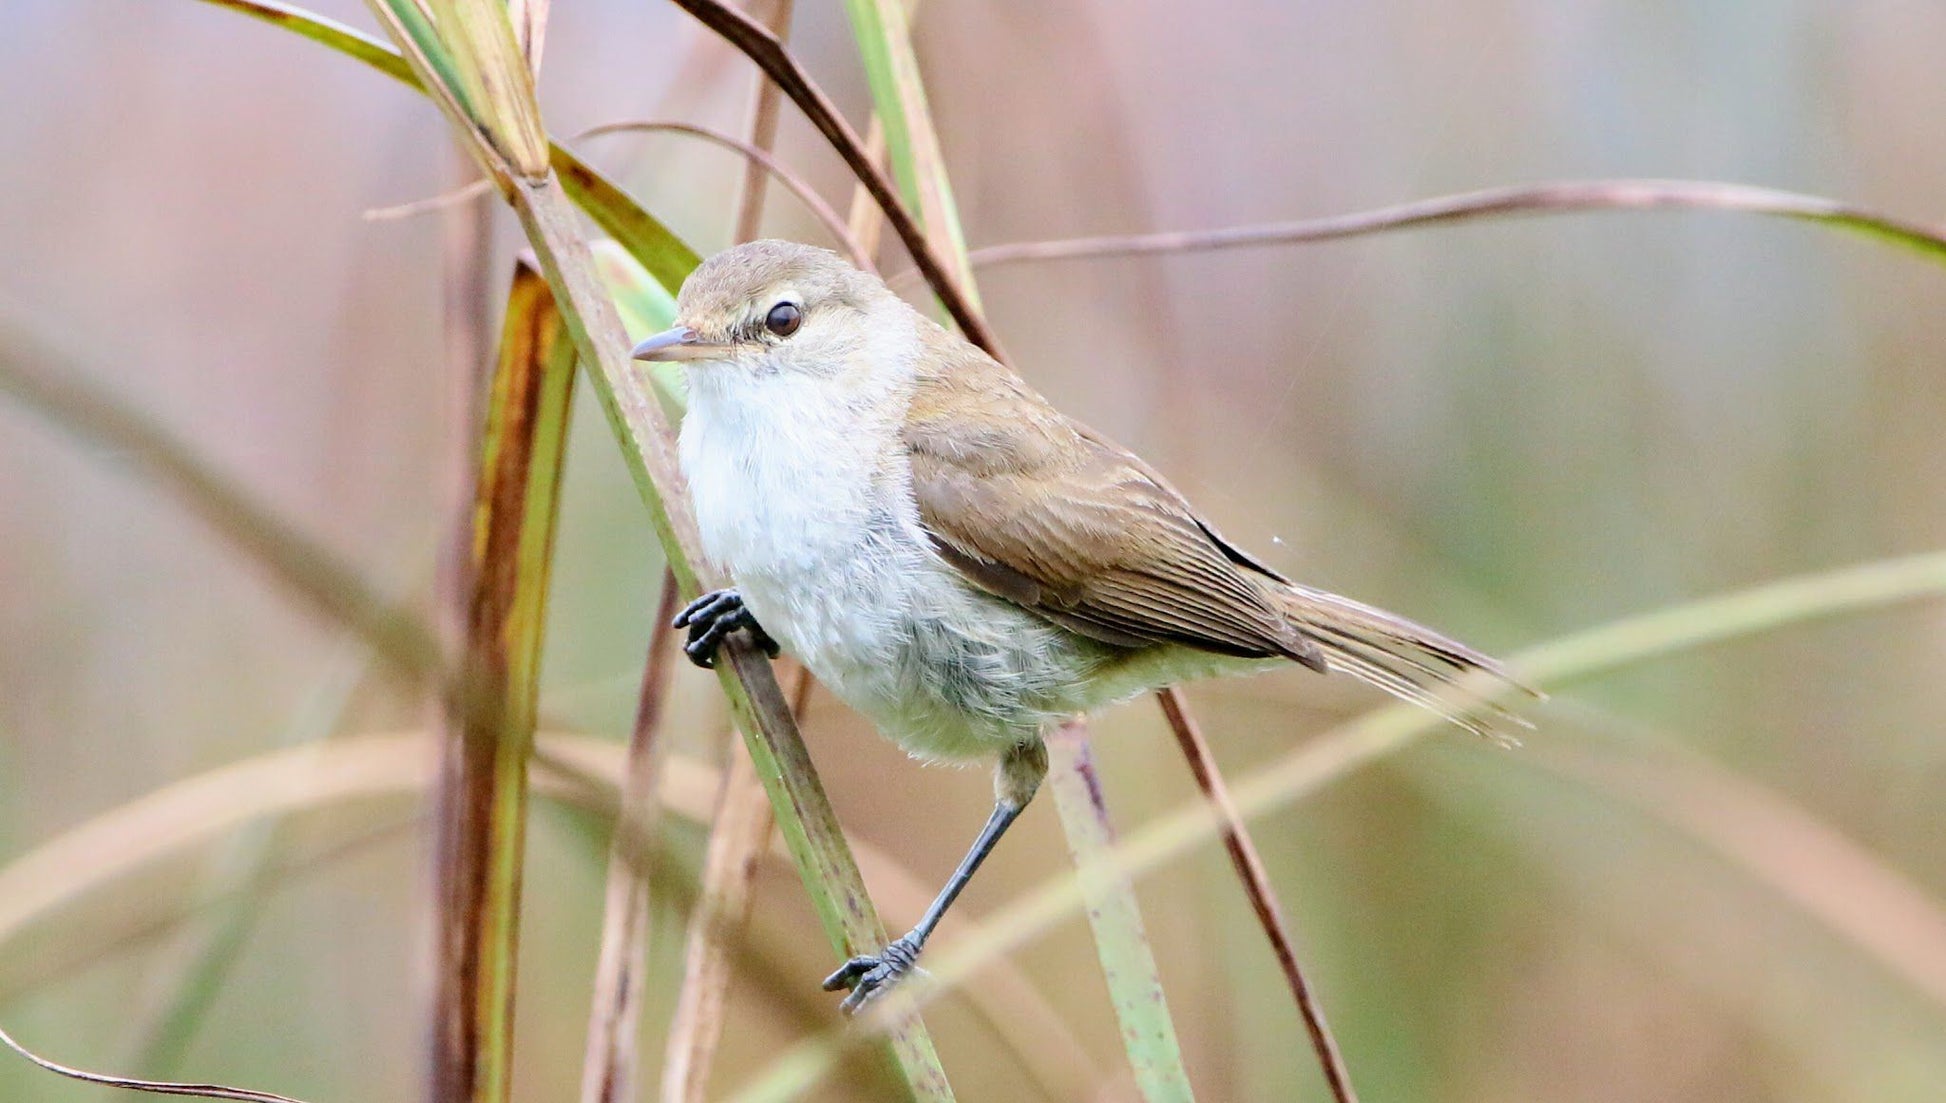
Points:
(703, 973)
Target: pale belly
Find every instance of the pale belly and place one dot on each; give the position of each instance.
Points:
(945, 670)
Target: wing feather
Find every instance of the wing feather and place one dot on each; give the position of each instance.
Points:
(1048, 514)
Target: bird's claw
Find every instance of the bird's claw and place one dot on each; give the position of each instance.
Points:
(870, 975)
(711, 618)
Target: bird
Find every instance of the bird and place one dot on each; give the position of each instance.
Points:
(959, 561)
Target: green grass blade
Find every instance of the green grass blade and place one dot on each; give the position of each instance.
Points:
(911, 143)
(829, 871)
(1134, 983)
(654, 246)
(646, 307)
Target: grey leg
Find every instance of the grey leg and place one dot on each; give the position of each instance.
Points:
(1014, 782)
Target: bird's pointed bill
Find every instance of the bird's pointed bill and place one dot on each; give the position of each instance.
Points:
(679, 343)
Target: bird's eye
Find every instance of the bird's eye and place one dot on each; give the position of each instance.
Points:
(783, 319)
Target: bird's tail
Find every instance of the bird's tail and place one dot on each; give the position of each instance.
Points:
(1410, 661)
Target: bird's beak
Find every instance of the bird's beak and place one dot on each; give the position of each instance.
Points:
(671, 345)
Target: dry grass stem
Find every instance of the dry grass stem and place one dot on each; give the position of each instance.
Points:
(152, 1087)
(1521, 199)
(529, 20)
(739, 836)
(747, 220)
(1256, 884)
(608, 1068)
(67, 872)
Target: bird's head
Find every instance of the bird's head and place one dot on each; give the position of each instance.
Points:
(774, 306)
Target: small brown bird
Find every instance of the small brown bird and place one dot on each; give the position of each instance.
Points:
(957, 559)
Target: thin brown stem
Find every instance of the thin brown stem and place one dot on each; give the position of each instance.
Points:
(1519, 199)
(760, 162)
(763, 47)
(152, 1087)
(1256, 884)
(608, 1069)
(413, 208)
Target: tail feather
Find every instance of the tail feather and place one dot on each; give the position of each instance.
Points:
(1410, 661)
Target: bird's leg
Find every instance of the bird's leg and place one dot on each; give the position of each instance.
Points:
(712, 617)
(1014, 781)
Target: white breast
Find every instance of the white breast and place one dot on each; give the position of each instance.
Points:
(803, 496)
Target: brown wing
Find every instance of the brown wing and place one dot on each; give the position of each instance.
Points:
(1042, 511)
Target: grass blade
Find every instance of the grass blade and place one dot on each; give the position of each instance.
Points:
(487, 57)
(762, 47)
(152, 1087)
(1521, 199)
(862, 220)
(652, 244)
(911, 143)
(583, 772)
(758, 160)
(482, 817)
(1134, 985)
(743, 821)
(529, 20)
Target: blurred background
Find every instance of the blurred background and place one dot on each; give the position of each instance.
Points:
(1719, 876)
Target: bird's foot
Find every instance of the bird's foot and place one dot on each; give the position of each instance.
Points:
(713, 617)
(870, 975)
